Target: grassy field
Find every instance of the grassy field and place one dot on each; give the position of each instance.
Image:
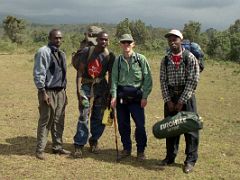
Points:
(218, 100)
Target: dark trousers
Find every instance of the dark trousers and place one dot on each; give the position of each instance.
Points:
(124, 126)
(191, 138)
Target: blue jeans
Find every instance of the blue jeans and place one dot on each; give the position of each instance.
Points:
(96, 126)
(137, 113)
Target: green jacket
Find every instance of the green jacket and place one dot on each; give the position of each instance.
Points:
(131, 73)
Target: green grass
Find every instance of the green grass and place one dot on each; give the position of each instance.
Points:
(218, 100)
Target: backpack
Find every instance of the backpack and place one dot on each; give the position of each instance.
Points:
(196, 50)
(76, 57)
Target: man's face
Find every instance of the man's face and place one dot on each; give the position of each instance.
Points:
(174, 43)
(102, 40)
(56, 38)
(127, 46)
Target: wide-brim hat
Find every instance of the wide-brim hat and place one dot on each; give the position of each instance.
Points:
(93, 40)
(126, 37)
(92, 33)
(174, 32)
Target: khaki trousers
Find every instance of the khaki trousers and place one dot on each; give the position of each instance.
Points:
(51, 119)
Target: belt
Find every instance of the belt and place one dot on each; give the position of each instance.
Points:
(89, 81)
(176, 90)
(54, 89)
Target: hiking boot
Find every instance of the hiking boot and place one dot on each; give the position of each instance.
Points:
(141, 156)
(124, 154)
(61, 152)
(78, 152)
(165, 162)
(94, 149)
(40, 155)
(187, 168)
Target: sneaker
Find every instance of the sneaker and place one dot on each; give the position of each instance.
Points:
(78, 152)
(124, 154)
(61, 152)
(187, 168)
(94, 149)
(166, 162)
(40, 155)
(141, 156)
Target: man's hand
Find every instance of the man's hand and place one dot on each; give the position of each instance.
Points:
(46, 98)
(143, 103)
(66, 100)
(170, 106)
(179, 106)
(113, 102)
(80, 103)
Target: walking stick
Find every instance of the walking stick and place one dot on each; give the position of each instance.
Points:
(115, 131)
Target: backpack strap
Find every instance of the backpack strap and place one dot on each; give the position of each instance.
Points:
(90, 52)
(185, 55)
(119, 65)
(166, 59)
(140, 64)
(138, 60)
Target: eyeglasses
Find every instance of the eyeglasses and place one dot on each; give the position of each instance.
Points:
(124, 42)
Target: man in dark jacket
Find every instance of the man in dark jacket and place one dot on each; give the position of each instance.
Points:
(50, 79)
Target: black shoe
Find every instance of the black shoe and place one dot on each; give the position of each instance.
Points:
(141, 156)
(124, 154)
(94, 149)
(165, 162)
(61, 151)
(78, 152)
(40, 155)
(187, 168)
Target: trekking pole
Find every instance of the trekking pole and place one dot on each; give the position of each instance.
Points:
(115, 131)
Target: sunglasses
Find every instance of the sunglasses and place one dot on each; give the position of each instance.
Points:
(124, 42)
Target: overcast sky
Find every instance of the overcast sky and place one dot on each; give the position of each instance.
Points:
(218, 14)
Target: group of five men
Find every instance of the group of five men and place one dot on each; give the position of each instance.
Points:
(126, 79)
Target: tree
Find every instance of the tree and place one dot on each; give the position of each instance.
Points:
(136, 28)
(139, 31)
(14, 28)
(40, 36)
(235, 28)
(220, 45)
(192, 31)
(122, 28)
(235, 47)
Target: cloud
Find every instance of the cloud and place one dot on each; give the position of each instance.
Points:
(164, 13)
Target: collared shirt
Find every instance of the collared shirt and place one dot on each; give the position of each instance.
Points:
(130, 73)
(181, 76)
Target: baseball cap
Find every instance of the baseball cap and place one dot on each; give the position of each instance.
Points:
(126, 37)
(91, 34)
(174, 32)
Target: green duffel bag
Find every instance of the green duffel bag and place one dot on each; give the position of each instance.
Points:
(181, 123)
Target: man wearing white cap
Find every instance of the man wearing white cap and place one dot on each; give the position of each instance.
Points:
(179, 76)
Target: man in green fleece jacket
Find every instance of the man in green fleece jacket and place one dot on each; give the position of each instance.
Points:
(131, 85)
